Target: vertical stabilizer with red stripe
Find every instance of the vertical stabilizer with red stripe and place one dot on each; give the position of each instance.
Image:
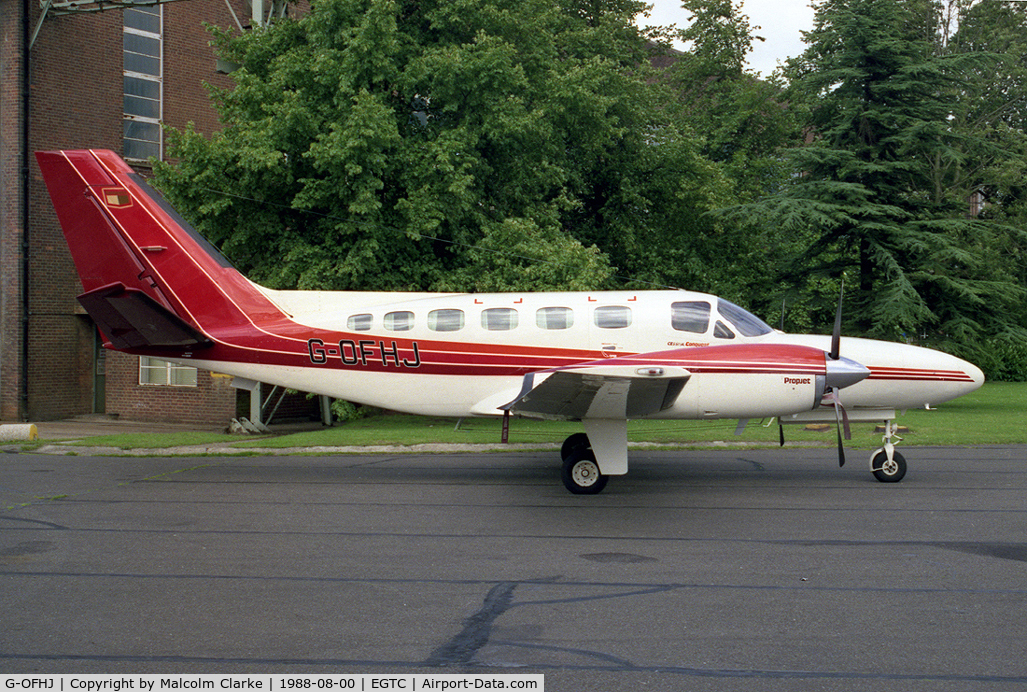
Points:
(150, 279)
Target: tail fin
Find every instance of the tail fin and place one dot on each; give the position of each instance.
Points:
(150, 279)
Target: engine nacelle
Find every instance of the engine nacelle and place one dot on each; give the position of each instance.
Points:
(759, 381)
(760, 395)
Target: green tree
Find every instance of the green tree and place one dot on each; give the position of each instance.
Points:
(867, 196)
(744, 124)
(742, 119)
(994, 108)
(440, 144)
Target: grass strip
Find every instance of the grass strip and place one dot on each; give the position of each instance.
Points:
(994, 414)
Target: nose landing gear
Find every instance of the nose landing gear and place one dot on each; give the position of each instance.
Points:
(887, 465)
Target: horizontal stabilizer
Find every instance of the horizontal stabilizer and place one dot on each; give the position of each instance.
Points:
(599, 392)
(129, 318)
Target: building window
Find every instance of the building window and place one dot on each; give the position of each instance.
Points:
(977, 203)
(143, 53)
(161, 372)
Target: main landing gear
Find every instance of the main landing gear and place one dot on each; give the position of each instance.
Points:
(580, 473)
(887, 465)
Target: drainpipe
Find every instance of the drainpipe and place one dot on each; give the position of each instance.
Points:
(26, 38)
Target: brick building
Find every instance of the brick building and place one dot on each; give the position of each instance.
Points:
(107, 80)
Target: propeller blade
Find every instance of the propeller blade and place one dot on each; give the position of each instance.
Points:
(845, 420)
(836, 335)
(842, 423)
(841, 450)
(781, 433)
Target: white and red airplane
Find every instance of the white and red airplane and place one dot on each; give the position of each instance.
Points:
(155, 287)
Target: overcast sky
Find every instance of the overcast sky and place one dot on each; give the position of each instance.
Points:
(780, 22)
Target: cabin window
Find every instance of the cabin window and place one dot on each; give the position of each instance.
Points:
(743, 320)
(690, 316)
(613, 317)
(399, 321)
(554, 318)
(446, 320)
(359, 323)
(499, 319)
(721, 331)
(161, 372)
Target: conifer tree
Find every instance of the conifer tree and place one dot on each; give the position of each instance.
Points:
(866, 198)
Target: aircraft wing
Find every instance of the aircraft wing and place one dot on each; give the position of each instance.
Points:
(744, 380)
(599, 389)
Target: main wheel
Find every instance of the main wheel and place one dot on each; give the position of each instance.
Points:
(573, 443)
(888, 471)
(581, 473)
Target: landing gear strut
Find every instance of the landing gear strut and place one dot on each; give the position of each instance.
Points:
(887, 465)
(580, 472)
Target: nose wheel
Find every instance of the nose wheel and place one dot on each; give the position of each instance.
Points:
(887, 465)
(888, 469)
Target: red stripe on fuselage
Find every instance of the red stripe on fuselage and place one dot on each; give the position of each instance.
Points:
(913, 374)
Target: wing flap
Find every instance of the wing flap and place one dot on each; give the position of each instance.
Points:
(603, 391)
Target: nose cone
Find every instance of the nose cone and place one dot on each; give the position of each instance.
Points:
(975, 374)
(845, 372)
(938, 377)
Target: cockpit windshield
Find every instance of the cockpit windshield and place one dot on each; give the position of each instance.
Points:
(743, 320)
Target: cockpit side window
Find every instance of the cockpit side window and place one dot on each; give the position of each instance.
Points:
(744, 321)
(690, 316)
(721, 331)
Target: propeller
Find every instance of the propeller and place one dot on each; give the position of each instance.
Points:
(841, 373)
(836, 354)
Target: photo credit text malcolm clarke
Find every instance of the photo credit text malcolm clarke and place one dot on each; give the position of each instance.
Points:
(269, 683)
